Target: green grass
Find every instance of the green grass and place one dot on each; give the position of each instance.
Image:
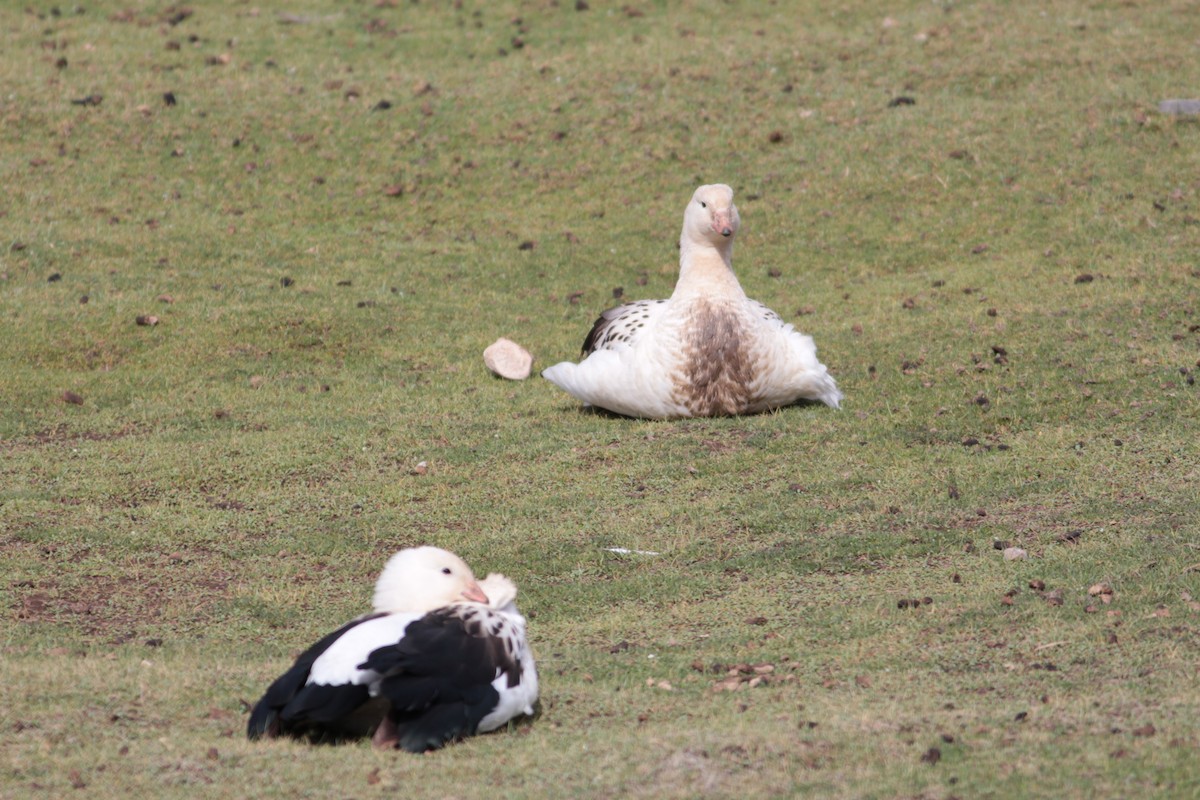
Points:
(326, 274)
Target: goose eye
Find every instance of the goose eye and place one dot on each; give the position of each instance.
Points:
(445, 570)
(703, 204)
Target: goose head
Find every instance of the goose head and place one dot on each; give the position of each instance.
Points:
(421, 579)
(711, 216)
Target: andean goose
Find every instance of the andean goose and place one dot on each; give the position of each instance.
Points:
(708, 350)
(441, 657)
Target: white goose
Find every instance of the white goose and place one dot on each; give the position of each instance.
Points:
(443, 656)
(708, 350)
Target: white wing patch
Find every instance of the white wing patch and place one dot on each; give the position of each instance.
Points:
(338, 665)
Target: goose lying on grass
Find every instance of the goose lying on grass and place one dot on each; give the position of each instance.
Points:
(441, 657)
(708, 350)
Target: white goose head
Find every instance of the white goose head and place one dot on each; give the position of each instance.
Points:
(711, 216)
(421, 579)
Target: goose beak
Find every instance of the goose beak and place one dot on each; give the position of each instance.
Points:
(474, 593)
(722, 224)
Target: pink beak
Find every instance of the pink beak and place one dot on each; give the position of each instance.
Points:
(721, 224)
(474, 593)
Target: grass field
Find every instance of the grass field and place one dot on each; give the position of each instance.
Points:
(331, 208)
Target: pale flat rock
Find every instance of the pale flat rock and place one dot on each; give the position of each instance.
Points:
(508, 359)
(1015, 554)
(1179, 107)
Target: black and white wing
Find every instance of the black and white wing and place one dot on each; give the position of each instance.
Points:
(761, 309)
(620, 327)
(325, 695)
(457, 671)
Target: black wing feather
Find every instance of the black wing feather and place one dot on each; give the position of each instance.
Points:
(273, 714)
(599, 328)
(438, 677)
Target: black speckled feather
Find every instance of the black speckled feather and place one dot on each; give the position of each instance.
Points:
(620, 325)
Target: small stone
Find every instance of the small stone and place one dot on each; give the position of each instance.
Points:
(148, 320)
(1179, 107)
(72, 398)
(1015, 554)
(508, 359)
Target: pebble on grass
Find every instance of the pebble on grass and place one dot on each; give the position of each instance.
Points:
(508, 359)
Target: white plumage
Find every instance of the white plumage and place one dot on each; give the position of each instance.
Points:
(708, 350)
(442, 656)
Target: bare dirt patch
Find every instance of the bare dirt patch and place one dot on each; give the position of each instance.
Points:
(134, 603)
